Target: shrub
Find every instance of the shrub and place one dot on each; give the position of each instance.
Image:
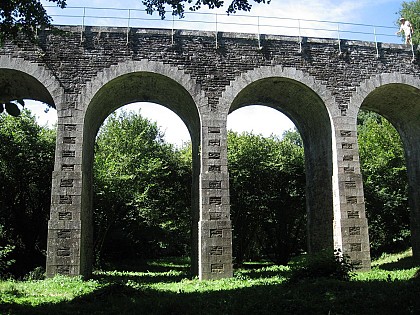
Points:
(37, 274)
(5, 261)
(323, 265)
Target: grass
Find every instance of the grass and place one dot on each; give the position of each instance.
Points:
(53, 290)
(162, 287)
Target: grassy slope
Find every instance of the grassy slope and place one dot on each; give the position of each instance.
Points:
(388, 289)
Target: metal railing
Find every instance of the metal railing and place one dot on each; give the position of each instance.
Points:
(216, 22)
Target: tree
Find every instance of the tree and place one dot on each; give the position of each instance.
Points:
(5, 251)
(26, 164)
(385, 182)
(411, 12)
(178, 6)
(142, 191)
(18, 16)
(267, 184)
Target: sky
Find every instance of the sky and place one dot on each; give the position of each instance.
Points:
(286, 15)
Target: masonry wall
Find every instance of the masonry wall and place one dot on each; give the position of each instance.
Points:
(75, 57)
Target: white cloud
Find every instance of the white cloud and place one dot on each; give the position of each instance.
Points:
(261, 120)
(169, 123)
(44, 115)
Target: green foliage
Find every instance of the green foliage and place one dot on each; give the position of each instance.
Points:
(410, 10)
(267, 185)
(142, 190)
(18, 16)
(5, 251)
(325, 264)
(26, 165)
(178, 6)
(37, 274)
(5, 260)
(385, 182)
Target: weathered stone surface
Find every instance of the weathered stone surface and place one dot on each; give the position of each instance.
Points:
(317, 87)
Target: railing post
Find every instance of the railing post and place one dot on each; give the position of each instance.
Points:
(259, 36)
(412, 51)
(173, 29)
(300, 38)
(217, 45)
(338, 39)
(376, 43)
(83, 25)
(128, 24)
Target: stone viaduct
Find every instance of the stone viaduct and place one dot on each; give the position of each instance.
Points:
(87, 75)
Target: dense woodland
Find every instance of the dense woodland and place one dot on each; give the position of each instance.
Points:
(142, 192)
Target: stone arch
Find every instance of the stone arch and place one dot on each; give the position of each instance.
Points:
(396, 96)
(156, 71)
(20, 78)
(309, 105)
(121, 84)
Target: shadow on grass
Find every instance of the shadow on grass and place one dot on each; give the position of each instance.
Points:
(251, 273)
(145, 271)
(403, 263)
(309, 297)
(147, 278)
(156, 265)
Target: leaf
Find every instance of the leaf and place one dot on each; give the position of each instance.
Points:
(12, 109)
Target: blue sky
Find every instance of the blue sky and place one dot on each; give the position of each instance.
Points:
(375, 12)
(258, 119)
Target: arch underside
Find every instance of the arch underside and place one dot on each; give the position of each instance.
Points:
(143, 87)
(15, 84)
(309, 114)
(400, 104)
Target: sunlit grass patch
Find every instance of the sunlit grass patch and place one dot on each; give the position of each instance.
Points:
(386, 258)
(377, 274)
(391, 267)
(33, 292)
